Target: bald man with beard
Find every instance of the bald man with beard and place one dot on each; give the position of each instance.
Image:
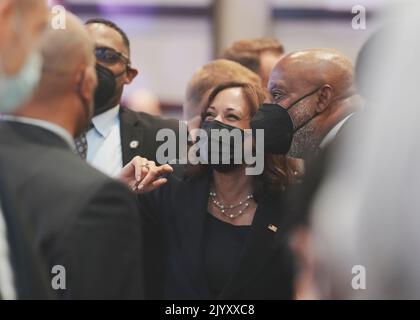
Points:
(86, 225)
(316, 87)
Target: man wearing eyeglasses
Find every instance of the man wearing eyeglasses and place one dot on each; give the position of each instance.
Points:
(117, 134)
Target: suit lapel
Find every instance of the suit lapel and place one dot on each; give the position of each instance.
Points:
(260, 245)
(132, 135)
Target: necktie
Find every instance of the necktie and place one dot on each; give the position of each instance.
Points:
(82, 144)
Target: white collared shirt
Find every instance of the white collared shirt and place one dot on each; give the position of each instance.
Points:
(333, 132)
(104, 143)
(7, 289)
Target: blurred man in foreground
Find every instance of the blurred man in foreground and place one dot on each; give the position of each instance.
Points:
(86, 224)
(21, 24)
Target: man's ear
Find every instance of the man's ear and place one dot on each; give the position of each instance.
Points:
(87, 83)
(131, 75)
(324, 98)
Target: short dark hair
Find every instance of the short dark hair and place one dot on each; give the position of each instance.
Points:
(112, 25)
(247, 52)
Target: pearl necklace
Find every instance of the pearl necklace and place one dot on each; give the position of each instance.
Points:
(223, 208)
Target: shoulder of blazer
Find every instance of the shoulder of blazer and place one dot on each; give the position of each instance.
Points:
(16, 133)
(145, 120)
(138, 133)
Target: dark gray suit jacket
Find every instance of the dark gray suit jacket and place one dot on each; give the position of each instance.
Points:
(29, 272)
(80, 218)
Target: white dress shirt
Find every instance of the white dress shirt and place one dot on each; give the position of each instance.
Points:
(7, 289)
(104, 143)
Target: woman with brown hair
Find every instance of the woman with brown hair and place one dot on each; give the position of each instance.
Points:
(222, 227)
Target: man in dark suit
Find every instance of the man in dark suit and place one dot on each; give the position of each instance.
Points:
(86, 225)
(118, 134)
(20, 275)
(29, 272)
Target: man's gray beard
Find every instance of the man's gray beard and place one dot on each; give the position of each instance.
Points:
(305, 143)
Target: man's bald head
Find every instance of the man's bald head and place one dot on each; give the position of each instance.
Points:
(66, 91)
(303, 70)
(66, 53)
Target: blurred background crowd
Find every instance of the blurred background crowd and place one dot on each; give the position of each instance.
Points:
(193, 32)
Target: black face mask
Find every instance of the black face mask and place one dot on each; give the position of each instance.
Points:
(226, 153)
(297, 128)
(278, 126)
(106, 89)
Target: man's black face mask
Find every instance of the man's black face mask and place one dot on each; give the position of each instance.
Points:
(278, 126)
(106, 89)
(294, 104)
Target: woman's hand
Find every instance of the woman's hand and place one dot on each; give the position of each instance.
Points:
(142, 175)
